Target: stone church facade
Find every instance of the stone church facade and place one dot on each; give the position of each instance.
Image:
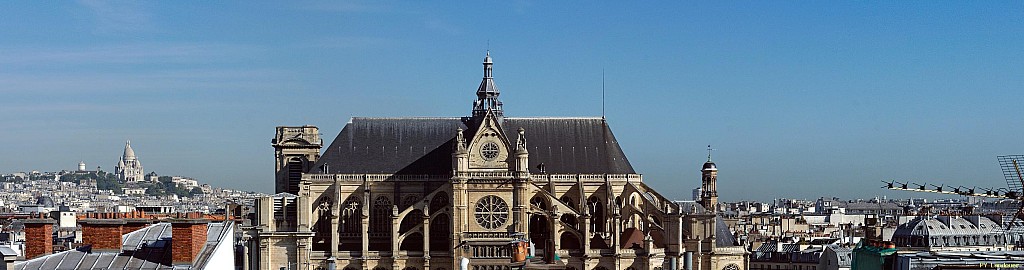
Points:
(424, 193)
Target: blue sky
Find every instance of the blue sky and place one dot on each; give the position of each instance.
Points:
(800, 99)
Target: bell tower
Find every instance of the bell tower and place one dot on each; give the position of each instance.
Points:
(709, 187)
(295, 151)
(487, 94)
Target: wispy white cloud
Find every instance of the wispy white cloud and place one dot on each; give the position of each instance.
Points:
(119, 16)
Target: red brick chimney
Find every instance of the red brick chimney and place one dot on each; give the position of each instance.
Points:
(135, 221)
(103, 231)
(38, 236)
(188, 236)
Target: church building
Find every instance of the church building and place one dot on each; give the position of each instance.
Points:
(485, 192)
(128, 168)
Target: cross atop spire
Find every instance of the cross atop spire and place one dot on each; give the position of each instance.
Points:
(709, 152)
(487, 94)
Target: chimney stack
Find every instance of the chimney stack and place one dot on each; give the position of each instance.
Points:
(188, 236)
(38, 236)
(103, 231)
(135, 221)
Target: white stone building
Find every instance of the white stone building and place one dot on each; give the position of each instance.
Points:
(129, 169)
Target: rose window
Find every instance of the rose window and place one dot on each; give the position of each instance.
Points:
(491, 212)
(489, 151)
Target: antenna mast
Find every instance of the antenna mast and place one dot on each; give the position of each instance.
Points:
(602, 93)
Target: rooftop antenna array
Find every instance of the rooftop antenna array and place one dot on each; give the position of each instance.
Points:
(1010, 207)
(1010, 165)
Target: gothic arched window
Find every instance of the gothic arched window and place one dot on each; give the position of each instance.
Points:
(440, 233)
(380, 215)
(597, 221)
(322, 227)
(439, 202)
(351, 211)
(539, 201)
(407, 201)
(567, 200)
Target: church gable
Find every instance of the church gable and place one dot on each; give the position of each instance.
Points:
(490, 147)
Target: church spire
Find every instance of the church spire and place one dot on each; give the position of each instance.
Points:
(487, 93)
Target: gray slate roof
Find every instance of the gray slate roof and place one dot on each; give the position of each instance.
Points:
(690, 207)
(423, 146)
(148, 248)
(724, 237)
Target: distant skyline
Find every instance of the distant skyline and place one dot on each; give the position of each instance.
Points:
(799, 99)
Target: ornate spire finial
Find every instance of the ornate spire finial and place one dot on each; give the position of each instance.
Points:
(487, 65)
(487, 94)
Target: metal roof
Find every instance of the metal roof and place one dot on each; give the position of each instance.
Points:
(770, 246)
(148, 248)
(423, 146)
(7, 251)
